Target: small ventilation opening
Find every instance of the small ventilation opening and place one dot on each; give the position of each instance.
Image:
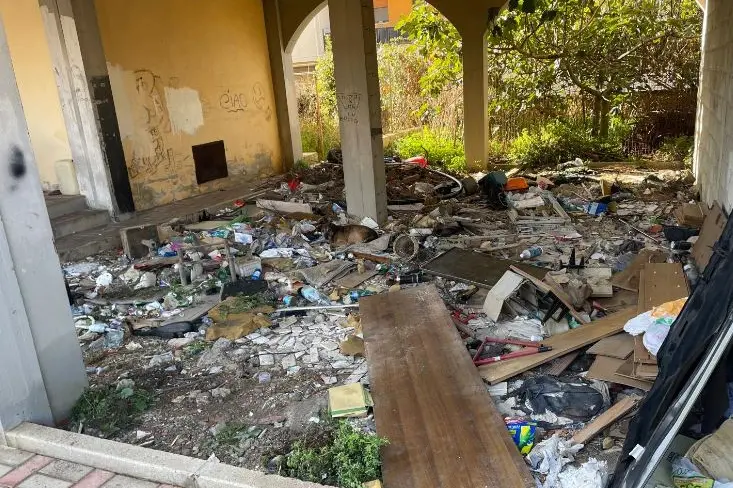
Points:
(211, 161)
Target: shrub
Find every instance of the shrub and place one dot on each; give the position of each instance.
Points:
(439, 150)
(676, 149)
(350, 460)
(557, 142)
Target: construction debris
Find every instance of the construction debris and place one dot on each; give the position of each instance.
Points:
(259, 306)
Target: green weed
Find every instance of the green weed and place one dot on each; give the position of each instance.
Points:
(352, 458)
(108, 409)
(439, 150)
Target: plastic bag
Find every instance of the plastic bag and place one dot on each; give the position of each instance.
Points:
(574, 399)
(686, 475)
(550, 456)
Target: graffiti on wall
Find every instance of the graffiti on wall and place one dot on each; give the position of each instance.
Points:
(157, 156)
(238, 100)
(348, 106)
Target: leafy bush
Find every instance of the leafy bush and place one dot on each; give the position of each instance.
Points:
(557, 142)
(439, 150)
(109, 409)
(350, 460)
(676, 149)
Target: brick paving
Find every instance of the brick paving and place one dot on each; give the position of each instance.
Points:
(20, 469)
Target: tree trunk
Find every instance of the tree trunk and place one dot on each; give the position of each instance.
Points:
(605, 119)
(597, 110)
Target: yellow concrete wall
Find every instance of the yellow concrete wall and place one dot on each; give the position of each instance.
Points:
(37, 85)
(188, 72)
(398, 9)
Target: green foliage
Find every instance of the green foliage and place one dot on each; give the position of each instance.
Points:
(109, 410)
(350, 460)
(439, 150)
(438, 42)
(195, 348)
(231, 439)
(542, 52)
(676, 149)
(558, 142)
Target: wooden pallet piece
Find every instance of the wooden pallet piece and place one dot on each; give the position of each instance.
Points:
(561, 344)
(605, 419)
(429, 400)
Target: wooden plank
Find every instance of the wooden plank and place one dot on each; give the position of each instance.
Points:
(605, 419)
(605, 368)
(561, 344)
(559, 365)
(475, 268)
(628, 279)
(429, 400)
(711, 230)
(619, 346)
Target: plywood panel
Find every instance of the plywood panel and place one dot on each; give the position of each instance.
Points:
(429, 400)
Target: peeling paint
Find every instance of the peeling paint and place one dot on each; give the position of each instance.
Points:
(184, 110)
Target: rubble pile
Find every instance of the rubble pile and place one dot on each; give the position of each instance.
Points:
(252, 315)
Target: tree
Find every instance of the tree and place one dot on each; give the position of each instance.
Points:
(548, 49)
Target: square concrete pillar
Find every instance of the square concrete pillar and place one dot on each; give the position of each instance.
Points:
(41, 369)
(283, 82)
(359, 106)
(475, 96)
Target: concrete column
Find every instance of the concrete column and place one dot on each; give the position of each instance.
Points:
(41, 369)
(86, 99)
(283, 83)
(359, 108)
(475, 95)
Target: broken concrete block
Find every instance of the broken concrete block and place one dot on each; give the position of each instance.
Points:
(132, 238)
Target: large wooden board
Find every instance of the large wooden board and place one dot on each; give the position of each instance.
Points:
(429, 401)
(661, 283)
(628, 279)
(475, 268)
(561, 345)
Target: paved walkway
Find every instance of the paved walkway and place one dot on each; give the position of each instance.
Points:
(20, 469)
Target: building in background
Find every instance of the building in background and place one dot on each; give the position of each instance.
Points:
(311, 44)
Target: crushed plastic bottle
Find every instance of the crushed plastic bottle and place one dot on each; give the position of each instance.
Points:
(314, 296)
(532, 252)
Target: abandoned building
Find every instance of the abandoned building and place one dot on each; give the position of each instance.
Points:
(129, 106)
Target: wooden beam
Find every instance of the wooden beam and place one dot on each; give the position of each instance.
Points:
(605, 419)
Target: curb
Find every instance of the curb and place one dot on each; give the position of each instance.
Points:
(139, 462)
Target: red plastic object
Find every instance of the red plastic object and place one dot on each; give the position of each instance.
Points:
(418, 160)
(516, 184)
(294, 184)
(529, 349)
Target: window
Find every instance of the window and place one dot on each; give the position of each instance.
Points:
(381, 15)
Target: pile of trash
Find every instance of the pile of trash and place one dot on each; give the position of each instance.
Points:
(520, 259)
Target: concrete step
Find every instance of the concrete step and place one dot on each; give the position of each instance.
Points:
(78, 247)
(78, 222)
(60, 205)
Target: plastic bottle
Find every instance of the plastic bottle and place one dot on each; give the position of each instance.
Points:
(257, 274)
(532, 252)
(356, 294)
(314, 296)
